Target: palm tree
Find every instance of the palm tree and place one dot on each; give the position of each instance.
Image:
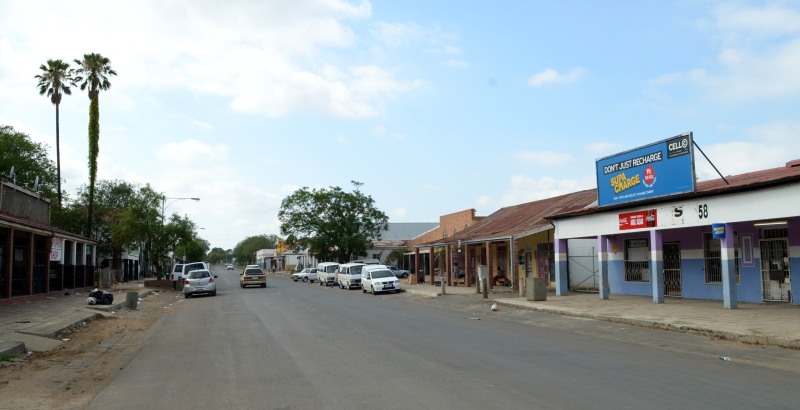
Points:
(92, 74)
(55, 79)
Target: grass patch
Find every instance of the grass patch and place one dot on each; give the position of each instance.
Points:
(6, 358)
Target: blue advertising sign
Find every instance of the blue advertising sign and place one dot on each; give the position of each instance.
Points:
(663, 168)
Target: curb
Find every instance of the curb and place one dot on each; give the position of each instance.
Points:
(732, 336)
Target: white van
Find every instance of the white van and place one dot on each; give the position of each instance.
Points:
(326, 273)
(349, 275)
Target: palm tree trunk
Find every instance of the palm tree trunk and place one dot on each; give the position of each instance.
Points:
(94, 149)
(58, 161)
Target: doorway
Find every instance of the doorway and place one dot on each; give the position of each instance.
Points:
(775, 270)
(672, 269)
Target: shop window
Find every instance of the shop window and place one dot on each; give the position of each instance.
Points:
(712, 257)
(637, 260)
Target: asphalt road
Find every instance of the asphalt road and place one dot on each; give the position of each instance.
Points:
(302, 346)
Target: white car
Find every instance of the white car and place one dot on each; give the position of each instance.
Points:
(305, 275)
(378, 278)
(199, 281)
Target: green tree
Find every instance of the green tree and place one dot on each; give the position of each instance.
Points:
(29, 159)
(395, 257)
(55, 79)
(245, 251)
(332, 223)
(217, 255)
(92, 74)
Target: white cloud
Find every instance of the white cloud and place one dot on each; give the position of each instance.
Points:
(397, 34)
(770, 20)
(544, 158)
(459, 64)
(603, 148)
(265, 57)
(524, 189)
(398, 214)
(770, 146)
(382, 133)
(758, 57)
(551, 76)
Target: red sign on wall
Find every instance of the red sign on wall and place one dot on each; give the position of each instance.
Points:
(638, 219)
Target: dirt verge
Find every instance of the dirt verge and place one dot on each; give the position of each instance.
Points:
(70, 376)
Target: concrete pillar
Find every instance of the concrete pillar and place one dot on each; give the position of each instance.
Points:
(727, 256)
(602, 266)
(430, 265)
(417, 265)
(448, 268)
(132, 300)
(562, 280)
(489, 264)
(657, 266)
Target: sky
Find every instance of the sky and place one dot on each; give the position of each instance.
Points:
(435, 107)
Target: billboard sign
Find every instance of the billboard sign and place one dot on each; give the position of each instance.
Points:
(663, 168)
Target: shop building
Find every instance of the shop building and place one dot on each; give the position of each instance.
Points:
(733, 239)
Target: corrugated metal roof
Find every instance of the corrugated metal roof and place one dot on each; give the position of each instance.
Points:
(405, 231)
(519, 219)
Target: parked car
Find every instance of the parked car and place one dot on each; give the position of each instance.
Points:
(253, 276)
(305, 275)
(378, 278)
(400, 273)
(199, 281)
(326, 273)
(349, 275)
(228, 266)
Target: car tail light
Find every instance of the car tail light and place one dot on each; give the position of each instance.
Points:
(186, 281)
(210, 280)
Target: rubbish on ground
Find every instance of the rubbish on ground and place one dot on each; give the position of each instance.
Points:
(474, 318)
(725, 358)
(65, 339)
(495, 308)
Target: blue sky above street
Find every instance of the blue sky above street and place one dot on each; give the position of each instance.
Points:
(435, 106)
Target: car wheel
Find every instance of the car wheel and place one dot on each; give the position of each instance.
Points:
(214, 293)
(187, 296)
(263, 285)
(405, 275)
(305, 279)
(363, 290)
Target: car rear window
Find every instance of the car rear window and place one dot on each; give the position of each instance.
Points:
(178, 268)
(198, 275)
(194, 266)
(254, 271)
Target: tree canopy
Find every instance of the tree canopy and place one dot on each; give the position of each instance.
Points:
(331, 223)
(245, 251)
(29, 159)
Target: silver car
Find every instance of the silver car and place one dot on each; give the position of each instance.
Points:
(199, 281)
(307, 274)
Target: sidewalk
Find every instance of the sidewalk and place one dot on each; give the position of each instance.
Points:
(35, 325)
(774, 324)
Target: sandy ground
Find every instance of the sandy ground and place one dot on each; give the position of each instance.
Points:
(71, 376)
